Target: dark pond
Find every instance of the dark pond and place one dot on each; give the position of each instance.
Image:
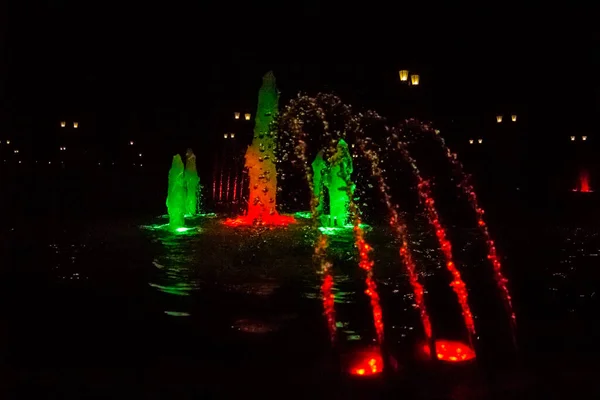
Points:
(116, 307)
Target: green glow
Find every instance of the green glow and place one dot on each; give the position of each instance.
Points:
(319, 167)
(183, 229)
(177, 313)
(192, 184)
(334, 175)
(336, 181)
(303, 215)
(260, 156)
(176, 197)
(338, 230)
(178, 289)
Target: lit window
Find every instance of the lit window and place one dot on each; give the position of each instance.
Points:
(498, 118)
(572, 138)
(75, 125)
(225, 135)
(584, 138)
(513, 117)
(233, 135)
(479, 141)
(471, 141)
(236, 115)
(63, 124)
(247, 116)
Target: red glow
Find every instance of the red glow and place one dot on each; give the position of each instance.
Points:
(400, 228)
(235, 182)
(457, 284)
(214, 186)
(329, 303)
(584, 182)
(367, 363)
(469, 190)
(227, 187)
(221, 186)
(451, 351)
(367, 264)
(270, 220)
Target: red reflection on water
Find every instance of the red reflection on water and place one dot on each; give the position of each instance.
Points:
(367, 363)
(271, 220)
(451, 351)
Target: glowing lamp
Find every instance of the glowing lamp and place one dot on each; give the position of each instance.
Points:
(16, 151)
(232, 135)
(498, 118)
(572, 138)
(8, 142)
(513, 117)
(247, 116)
(75, 125)
(366, 363)
(131, 142)
(414, 80)
(470, 141)
(584, 138)
(63, 124)
(479, 141)
(225, 136)
(140, 154)
(451, 351)
(403, 75)
(236, 115)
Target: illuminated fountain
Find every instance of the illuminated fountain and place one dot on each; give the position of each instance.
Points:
(306, 111)
(583, 185)
(330, 122)
(192, 184)
(334, 176)
(176, 197)
(319, 167)
(260, 162)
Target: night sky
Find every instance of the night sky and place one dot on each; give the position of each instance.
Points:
(178, 68)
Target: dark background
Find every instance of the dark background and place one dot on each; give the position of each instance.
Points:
(171, 76)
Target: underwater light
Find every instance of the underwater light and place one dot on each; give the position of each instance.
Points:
(367, 363)
(451, 351)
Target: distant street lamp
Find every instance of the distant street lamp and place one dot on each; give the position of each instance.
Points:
(403, 75)
(513, 117)
(75, 125)
(63, 124)
(498, 118)
(414, 79)
(236, 115)
(247, 117)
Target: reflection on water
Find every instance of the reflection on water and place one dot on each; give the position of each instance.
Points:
(174, 263)
(248, 286)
